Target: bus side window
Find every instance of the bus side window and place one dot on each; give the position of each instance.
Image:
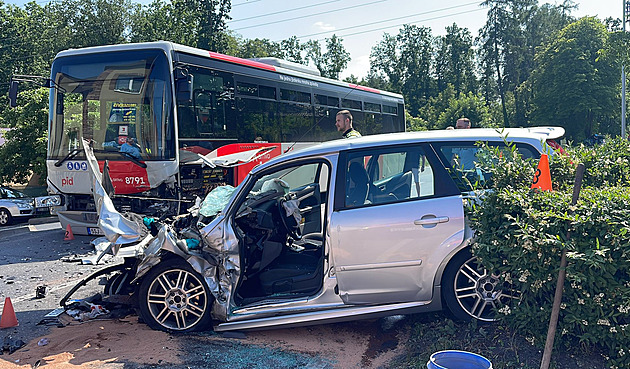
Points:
(186, 122)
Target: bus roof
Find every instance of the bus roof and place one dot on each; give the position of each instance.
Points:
(170, 46)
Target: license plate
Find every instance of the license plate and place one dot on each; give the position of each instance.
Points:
(94, 231)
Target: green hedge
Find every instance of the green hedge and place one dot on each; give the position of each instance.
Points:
(520, 233)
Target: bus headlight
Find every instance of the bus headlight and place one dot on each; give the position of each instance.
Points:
(47, 201)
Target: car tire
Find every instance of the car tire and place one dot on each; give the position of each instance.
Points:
(470, 292)
(5, 217)
(173, 297)
(118, 284)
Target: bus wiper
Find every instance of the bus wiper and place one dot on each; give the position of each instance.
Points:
(126, 156)
(70, 155)
(133, 159)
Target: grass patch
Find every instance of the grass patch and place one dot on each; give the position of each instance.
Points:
(505, 348)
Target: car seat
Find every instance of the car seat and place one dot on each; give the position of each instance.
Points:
(357, 185)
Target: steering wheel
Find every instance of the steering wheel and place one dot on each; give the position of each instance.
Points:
(293, 231)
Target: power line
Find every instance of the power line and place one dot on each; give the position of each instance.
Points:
(347, 28)
(402, 24)
(283, 11)
(394, 19)
(309, 15)
(246, 3)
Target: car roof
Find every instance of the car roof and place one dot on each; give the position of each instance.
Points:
(532, 135)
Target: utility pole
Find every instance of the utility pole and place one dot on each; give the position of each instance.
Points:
(626, 18)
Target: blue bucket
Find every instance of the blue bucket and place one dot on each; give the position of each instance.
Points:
(454, 359)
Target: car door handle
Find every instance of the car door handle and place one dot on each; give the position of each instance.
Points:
(430, 219)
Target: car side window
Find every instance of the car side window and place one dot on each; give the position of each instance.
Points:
(388, 176)
(460, 155)
(463, 158)
(527, 151)
(287, 179)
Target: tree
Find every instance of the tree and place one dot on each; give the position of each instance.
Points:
(292, 50)
(416, 51)
(406, 62)
(26, 37)
(13, 53)
(336, 57)
(92, 22)
(208, 21)
(24, 151)
(161, 21)
(455, 60)
(314, 54)
(384, 63)
(494, 39)
(415, 124)
(575, 83)
(507, 45)
(469, 105)
(331, 62)
(259, 48)
(444, 109)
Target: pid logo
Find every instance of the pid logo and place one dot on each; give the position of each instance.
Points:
(68, 181)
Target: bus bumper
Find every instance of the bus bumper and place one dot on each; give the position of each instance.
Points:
(82, 222)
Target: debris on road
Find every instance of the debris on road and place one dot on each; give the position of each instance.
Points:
(53, 318)
(40, 291)
(11, 345)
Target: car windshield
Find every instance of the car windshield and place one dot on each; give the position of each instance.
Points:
(8, 193)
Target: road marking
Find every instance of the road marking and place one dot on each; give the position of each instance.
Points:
(12, 228)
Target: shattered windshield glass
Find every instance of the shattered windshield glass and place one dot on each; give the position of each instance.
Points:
(216, 200)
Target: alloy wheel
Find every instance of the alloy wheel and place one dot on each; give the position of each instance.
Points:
(479, 293)
(177, 299)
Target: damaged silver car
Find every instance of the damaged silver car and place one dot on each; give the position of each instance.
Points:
(344, 230)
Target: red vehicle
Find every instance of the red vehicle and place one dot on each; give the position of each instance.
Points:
(157, 112)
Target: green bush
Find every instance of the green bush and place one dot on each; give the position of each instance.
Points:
(520, 234)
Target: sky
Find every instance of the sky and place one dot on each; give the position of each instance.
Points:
(362, 23)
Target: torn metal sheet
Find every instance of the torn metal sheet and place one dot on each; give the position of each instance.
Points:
(221, 241)
(217, 258)
(165, 240)
(231, 160)
(117, 228)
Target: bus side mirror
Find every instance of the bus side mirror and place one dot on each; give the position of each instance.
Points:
(13, 91)
(185, 89)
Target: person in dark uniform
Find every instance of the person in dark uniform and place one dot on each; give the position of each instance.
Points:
(343, 122)
(463, 123)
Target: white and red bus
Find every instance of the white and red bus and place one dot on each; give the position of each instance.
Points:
(174, 102)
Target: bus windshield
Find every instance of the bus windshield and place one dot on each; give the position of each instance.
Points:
(122, 101)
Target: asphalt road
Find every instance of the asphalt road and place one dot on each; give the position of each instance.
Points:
(30, 256)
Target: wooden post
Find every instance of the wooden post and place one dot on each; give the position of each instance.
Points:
(557, 298)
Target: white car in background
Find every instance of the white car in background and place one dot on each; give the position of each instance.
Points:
(14, 205)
